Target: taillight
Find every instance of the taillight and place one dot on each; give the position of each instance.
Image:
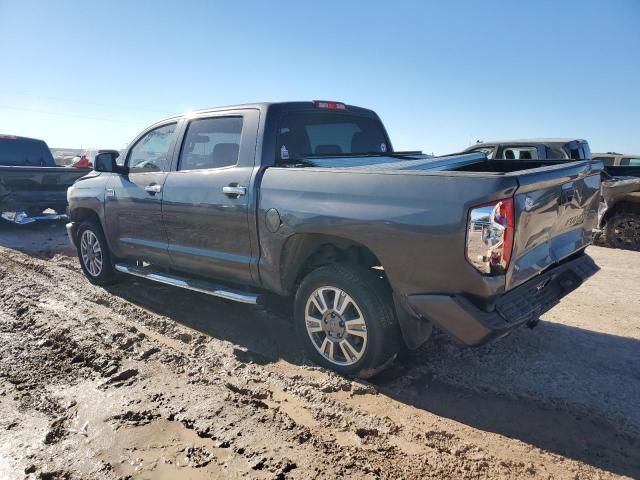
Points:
(490, 230)
(329, 105)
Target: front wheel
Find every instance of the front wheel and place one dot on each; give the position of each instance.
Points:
(94, 255)
(346, 319)
(623, 231)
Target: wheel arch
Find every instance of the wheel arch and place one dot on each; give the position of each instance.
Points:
(304, 252)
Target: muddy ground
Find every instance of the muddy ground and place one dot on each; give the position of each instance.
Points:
(146, 381)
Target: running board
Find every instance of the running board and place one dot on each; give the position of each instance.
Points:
(201, 286)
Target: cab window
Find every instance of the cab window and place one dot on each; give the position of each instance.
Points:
(306, 134)
(488, 151)
(151, 152)
(211, 143)
(520, 153)
(631, 162)
(606, 160)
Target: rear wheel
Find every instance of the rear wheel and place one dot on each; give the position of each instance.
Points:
(94, 255)
(346, 319)
(623, 231)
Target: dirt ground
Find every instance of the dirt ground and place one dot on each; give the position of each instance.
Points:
(145, 381)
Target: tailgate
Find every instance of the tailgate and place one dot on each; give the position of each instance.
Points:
(556, 208)
(24, 187)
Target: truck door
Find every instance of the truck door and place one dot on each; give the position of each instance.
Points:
(133, 201)
(207, 196)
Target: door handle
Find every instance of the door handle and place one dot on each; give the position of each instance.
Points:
(234, 190)
(153, 189)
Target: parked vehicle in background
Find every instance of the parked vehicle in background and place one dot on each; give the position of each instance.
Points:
(308, 200)
(64, 157)
(619, 212)
(30, 181)
(85, 159)
(617, 159)
(534, 149)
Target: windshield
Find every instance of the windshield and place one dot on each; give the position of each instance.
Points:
(306, 134)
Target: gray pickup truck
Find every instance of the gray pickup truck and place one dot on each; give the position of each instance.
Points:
(31, 182)
(308, 200)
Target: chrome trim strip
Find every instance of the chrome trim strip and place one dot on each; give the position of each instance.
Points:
(175, 281)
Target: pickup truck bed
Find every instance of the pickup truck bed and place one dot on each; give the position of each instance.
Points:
(30, 181)
(34, 189)
(309, 201)
(416, 225)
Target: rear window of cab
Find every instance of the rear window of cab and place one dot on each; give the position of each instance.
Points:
(306, 134)
(16, 151)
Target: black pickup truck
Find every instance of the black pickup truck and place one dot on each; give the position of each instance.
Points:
(308, 200)
(31, 182)
(619, 211)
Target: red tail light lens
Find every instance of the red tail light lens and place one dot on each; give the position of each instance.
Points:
(329, 105)
(490, 231)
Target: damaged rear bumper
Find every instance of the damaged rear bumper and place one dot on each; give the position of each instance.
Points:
(22, 218)
(520, 306)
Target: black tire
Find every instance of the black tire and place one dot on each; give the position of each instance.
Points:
(623, 231)
(106, 274)
(370, 301)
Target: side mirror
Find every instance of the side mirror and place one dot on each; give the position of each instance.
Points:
(106, 162)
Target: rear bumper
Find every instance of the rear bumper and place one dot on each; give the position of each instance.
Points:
(473, 326)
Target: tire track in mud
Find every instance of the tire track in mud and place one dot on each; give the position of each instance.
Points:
(260, 417)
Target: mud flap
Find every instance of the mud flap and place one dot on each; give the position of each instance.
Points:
(415, 331)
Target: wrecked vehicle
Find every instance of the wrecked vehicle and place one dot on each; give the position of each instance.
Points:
(309, 201)
(32, 187)
(619, 212)
(534, 149)
(617, 159)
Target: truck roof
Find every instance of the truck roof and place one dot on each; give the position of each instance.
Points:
(529, 141)
(264, 106)
(614, 154)
(4, 136)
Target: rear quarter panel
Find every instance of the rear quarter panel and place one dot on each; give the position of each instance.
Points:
(415, 223)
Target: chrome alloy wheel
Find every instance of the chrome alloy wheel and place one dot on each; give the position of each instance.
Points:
(336, 325)
(91, 253)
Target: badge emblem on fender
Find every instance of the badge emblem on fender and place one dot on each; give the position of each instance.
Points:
(528, 204)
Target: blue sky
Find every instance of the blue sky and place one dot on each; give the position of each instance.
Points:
(440, 74)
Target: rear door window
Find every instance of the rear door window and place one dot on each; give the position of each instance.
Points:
(629, 161)
(520, 153)
(211, 143)
(307, 134)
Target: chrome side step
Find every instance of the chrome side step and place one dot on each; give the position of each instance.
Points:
(201, 286)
